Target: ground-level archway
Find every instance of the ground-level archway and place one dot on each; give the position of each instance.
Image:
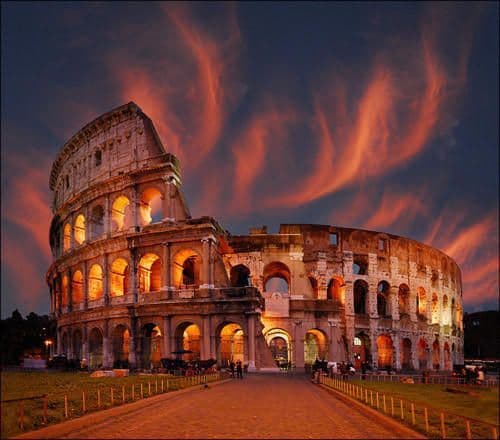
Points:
(187, 341)
(361, 350)
(422, 354)
(151, 338)
(405, 352)
(231, 345)
(77, 344)
(384, 348)
(121, 344)
(95, 349)
(279, 343)
(315, 346)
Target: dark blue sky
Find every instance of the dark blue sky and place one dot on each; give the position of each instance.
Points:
(376, 115)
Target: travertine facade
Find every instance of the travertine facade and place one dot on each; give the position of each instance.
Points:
(135, 278)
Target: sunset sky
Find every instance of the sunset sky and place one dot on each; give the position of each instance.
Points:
(381, 116)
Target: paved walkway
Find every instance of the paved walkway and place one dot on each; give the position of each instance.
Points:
(259, 406)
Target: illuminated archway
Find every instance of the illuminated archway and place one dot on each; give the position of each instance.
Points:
(361, 349)
(95, 282)
(151, 346)
(231, 344)
(149, 273)
(421, 303)
(150, 209)
(384, 348)
(119, 277)
(79, 229)
(77, 288)
(315, 346)
(422, 354)
(186, 269)
(67, 237)
(188, 341)
(276, 277)
(404, 300)
(435, 309)
(121, 217)
(336, 289)
(279, 343)
(65, 291)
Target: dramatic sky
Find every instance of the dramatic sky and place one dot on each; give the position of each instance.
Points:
(375, 115)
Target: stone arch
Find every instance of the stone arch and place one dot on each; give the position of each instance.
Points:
(119, 274)
(314, 286)
(96, 222)
(447, 357)
(77, 344)
(95, 348)
(121, 215)
(445, 310)
(67, 237)
(385, 349)
(405, 352)
(188, 341)
(315, 346)
(435, 309)
(186, 268)
(55, 236)
(435, 355)
(404, 300)
(150, 208)
(276, 277)
(95, 282)
(149, 273)
(422, 354)
(65, 291)
(383, 291)
(79, 229)
(121, 346)
(336, 289)
(240, 276)
(361, 349)
(279, 342)
(151, 342)
(231, 343)
(421, 303)
(360, 291)
(77, 287)
(360, 265)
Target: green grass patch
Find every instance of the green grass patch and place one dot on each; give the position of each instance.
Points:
(16, 385)
(478, 403)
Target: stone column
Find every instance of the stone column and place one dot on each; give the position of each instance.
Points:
(298, 344)
(59, 340)
(372, 299)
(133, 290)
(106, 351)
(167, 350)
(135, 208)
(205, 341)
(85, 344)
(85, 286)
(107, 217)
(441, 354)
(349, 299)
(105, 279)
(396, 341)
(394, 303)
(70, 290)
(373, 342)
(132, 354)
(205, 280)
(59, 294)
(167, 267)
(167, 211)
(251, 341)
(414, 352)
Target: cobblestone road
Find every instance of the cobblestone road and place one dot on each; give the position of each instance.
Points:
(259, 406)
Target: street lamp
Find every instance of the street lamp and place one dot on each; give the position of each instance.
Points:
(47, 343)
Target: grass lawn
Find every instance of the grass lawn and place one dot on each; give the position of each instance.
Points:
(16, 385)
(473, 402)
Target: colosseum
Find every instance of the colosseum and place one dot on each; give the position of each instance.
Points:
(135, 278)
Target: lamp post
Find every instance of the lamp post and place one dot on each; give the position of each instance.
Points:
(47, 343)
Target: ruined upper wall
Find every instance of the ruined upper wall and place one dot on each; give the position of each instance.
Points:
(118, 142)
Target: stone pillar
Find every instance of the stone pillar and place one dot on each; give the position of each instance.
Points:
(349, 299)
(106, 346)
(414, 352)
(105, 279)
(298, 344)
(132, 353)
(213, 343)
(167, 350)
(59, 340)
(70, 343)
(85, 344)
(251, 341)
(133, 274)
(205, 279)
(70, 290)
(107, 217)
(135, 208)
(394, 303)
(167, 200)
(59, 294)
(167, 267)
(441, 354)
(205, 339)
(373, 342)
(372, 299)
(85, 286)
(396, 341)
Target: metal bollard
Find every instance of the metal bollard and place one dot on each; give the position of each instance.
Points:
(84, 409)
(412, 414)
(123, 393)
(426, 419)
(66, 405)
(443, 428)
(21, 415)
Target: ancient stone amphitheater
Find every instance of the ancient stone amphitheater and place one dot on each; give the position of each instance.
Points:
(135, 278)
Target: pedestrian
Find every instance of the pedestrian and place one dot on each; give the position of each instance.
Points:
(239, 369)
(480, 376)
(231, 368)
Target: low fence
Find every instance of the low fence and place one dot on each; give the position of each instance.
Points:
(28, 413)
(431, 421)
(431, 379)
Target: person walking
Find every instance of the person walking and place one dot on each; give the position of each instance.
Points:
(239, 369)
(231, 368)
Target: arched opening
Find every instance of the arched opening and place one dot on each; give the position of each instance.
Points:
(435, 309)
(279, 343)
(335, 290)
(65, 344)
(151, 346)
(421, 303)
(121, 216)
(77, 344)
(360, 296)
(360, 265)
(65, 291)
(96, 222)
(240, 276)
(361, 350)
(67, 237)
(55, 236)
(231, 344)
(404, 300)
(95, 348)
(384, 348)
(447, 357)
(422, 354)
(149, 273)
(314, 286)
(121, 346)
(188, 341)
(383, 290)
(406, 354)
(77, 287)
(435, 355)
(186, 269)
(445, 312)
(150, 210)
(95, 282)
(119, 277)
(315, 346)
(80, 229)
(276, 277)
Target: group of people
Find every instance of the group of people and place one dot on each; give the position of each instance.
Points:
(239, 369)
(473, 375)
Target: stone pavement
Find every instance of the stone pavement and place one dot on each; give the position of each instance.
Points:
(259, 406)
